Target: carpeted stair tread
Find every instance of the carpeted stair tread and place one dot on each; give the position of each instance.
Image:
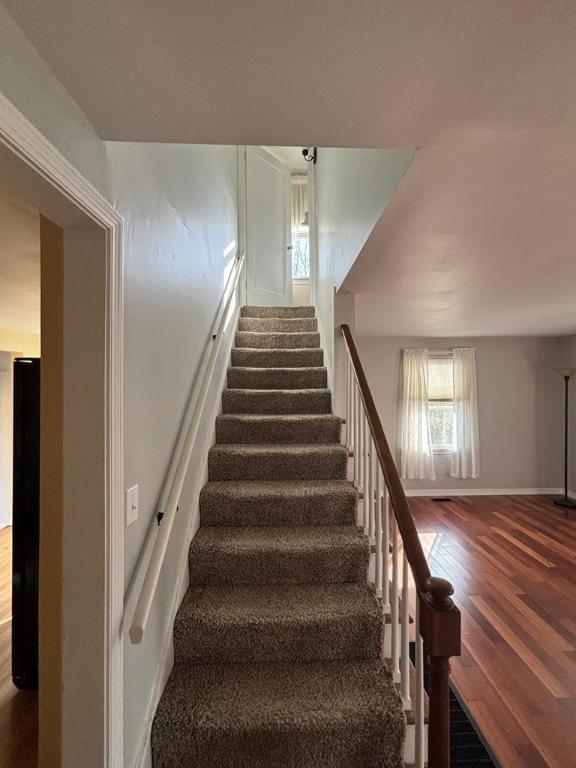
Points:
(254, 311)
(278, 622)
(276, 401)
(277, 358)
(307, 715)
(277, 378)
(278, 324)
(278, 428)
(278, 642)
(279, 502)
(277, 340)
(279, 555)
(277, 462)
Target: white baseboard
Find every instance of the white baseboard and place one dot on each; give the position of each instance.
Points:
(166, 663)
(435, 492)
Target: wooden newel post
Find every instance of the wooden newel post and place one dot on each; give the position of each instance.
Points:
(440, 628)
(439, 722)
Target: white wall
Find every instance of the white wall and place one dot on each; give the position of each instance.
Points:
(28, 83)
(517, 402)
(180, 209)
(353, 187)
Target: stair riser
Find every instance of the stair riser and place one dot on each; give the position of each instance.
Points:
(278, 324)
(277, 378)
(272, 358)
(276, 311)
(197, 641)
(221, 510)
(277, 340)
(277, 466)
(364, 744)
(311, 430)
(276, 402)
(327, 566)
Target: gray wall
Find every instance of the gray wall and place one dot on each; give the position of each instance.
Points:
(519, 407)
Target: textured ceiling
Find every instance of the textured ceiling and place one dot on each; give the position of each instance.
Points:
(480, 237)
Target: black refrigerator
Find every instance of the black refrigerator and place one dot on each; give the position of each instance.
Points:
(26, 522)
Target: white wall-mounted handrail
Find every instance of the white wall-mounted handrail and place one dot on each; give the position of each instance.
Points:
(178, 470)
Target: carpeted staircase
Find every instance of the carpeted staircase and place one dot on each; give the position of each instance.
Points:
(278, 641)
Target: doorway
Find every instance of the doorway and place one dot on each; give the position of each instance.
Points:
(278, 226)
(19, 418)
(81, 485)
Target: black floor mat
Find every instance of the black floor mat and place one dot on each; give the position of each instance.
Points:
(468, 748)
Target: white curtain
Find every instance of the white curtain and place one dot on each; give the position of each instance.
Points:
(416, 459)
(299, 187)
(466, 455)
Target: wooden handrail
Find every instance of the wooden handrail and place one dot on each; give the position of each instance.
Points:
(439, 617)
(410, 539)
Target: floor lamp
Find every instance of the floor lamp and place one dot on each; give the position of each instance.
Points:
(566, 501)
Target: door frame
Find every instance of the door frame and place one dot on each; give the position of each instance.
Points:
(313, 232)
(29, 145)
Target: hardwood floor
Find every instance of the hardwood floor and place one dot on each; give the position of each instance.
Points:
(18, 709)
(512, 560)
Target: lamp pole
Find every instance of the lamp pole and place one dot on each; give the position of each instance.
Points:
(566, 501)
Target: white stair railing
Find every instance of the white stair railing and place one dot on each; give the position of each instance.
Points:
(398, 557)
(172, 489)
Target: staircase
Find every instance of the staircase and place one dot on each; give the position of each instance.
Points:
(279, 640)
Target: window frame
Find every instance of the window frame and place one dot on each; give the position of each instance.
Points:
(439, 449)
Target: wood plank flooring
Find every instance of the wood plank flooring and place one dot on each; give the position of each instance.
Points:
(512, 560)
(18, 709)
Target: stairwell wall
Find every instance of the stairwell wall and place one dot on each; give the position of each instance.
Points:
(180, 205)
(352, 188)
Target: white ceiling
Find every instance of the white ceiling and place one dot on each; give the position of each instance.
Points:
(481, 235)
(19, 265)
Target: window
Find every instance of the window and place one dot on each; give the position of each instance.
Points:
(441, 403)
(300, 255)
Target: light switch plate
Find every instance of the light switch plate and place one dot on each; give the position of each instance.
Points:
(131, 505)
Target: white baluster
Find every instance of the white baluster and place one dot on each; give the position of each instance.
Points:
(420, 733)
(360, 445)
(378, 531)
(371, 489)
(405, 635)
(347, 374)
(386, 550)
(356, 432)
(395, 661)
(366, 472)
